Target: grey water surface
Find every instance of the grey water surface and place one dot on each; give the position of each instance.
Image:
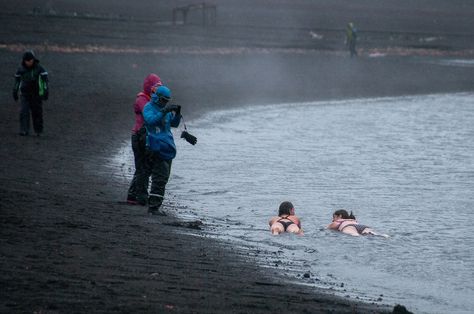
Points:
(403, 165)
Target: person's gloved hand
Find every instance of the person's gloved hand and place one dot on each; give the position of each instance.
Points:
(169, 108)
(15, 95)
(45, 95)
(191, 139)
(178, 110)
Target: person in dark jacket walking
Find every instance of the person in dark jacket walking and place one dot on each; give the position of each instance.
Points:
(31, 86)
(159, 117)
(138, 190)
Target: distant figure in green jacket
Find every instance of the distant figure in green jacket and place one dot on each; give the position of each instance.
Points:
(31, 86)
(351, 39)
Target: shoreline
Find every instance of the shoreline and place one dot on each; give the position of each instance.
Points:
(69, 245)
(93, 212)
(243, 213)
(82, 242)
(84, 251)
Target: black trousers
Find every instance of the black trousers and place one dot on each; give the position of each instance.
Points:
(33, 106)
(160, 172)
(139, 186)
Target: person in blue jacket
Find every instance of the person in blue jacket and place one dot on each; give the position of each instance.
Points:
(159, 116)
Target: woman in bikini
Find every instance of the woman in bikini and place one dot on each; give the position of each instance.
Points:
(346, 223)
(286, 221)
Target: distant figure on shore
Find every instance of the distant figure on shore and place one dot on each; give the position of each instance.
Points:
(138, 190)
(159, 117)
(351, 39)
(286, 221)
(31, 82)
(346, 223)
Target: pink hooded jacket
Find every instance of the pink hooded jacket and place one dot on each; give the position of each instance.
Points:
(143, 98)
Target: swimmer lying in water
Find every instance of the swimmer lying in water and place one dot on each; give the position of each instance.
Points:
(346, 223)
(286, 221)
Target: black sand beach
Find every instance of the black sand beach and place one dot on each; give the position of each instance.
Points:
(68, 244)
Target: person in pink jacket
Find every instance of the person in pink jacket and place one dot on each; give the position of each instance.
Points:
(138, 190)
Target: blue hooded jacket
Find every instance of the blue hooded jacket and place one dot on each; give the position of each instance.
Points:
(158, 125)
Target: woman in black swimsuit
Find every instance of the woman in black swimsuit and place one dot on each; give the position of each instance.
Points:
(286, 221)
(346, 223)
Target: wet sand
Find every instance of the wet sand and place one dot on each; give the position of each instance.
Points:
(70, 245)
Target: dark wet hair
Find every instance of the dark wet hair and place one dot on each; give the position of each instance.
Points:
(285, 208)
(344, 214)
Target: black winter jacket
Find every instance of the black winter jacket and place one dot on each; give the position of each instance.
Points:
(31, 81)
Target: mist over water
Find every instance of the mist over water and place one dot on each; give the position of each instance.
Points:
(403, 165)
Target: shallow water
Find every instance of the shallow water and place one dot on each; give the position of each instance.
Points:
(404, 165)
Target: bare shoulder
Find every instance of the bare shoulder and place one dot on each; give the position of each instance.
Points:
(273, 220)
(294, 218)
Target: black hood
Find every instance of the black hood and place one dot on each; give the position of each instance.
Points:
(28, 55)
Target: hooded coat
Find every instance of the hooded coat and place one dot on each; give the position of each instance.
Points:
(158, 125)
(31, 81)
(143, 98)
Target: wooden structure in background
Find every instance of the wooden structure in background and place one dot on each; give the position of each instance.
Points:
(208, 11)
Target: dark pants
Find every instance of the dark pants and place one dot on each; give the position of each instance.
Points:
(352, 48)
(35, 106)
(138, 189)
(160, 172)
